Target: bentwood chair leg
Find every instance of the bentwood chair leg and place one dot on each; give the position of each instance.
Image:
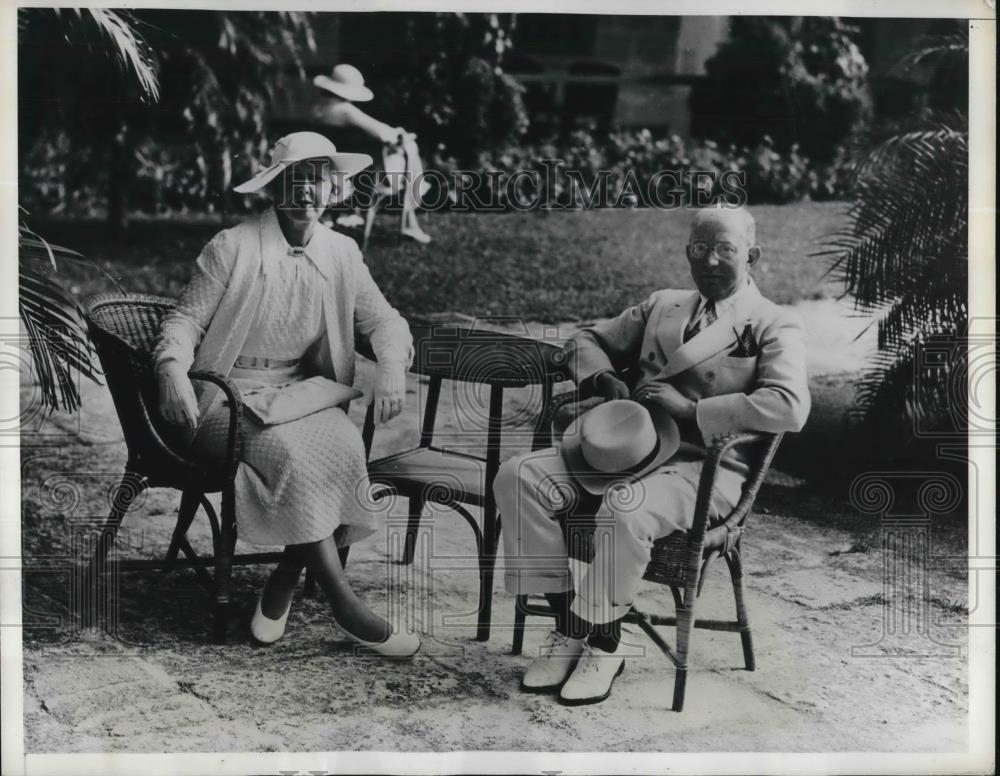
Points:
(412, 526)
(487, 562)
(225, 546)
(519, 618)
(736, 571)
(185, 516)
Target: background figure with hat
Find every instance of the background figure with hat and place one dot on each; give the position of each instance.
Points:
(663, 379)
(341, 118)
(275, 304)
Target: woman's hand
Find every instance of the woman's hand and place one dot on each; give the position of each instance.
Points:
(390, 390)
(669, 398)
(178, 404)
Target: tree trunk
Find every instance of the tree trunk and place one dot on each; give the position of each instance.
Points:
(119, 178)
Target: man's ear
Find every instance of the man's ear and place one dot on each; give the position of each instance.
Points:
(754, 254)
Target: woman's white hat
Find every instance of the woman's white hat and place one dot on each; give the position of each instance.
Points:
(618, 440)
(299, 146)
(346, 82)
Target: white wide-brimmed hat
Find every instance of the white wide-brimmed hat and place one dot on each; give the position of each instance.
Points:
(346, 82)
(297, 147)
(618, 440)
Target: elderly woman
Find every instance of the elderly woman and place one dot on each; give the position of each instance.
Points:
(337, 112)
(275, 303)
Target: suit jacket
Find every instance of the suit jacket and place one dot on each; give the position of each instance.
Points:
(208, 327)
(734, 391)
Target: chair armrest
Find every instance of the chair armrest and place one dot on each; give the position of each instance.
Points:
(710, 471)
(234, 437)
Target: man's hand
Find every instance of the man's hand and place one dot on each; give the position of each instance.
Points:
(669, 398)
(178, 404)
(606, 384)
(390, 389)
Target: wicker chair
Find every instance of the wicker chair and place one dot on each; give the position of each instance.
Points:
(680, 560)
(123, 328)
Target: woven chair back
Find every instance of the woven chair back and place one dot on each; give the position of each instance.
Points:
(124, 329)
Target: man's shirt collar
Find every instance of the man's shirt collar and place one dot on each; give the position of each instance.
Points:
(723, 305)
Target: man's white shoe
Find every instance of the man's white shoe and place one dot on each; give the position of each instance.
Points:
(548, 672)
(591, 681)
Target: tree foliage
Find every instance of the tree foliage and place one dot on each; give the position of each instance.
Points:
(213, 73)
(793, 79)
(448, 83)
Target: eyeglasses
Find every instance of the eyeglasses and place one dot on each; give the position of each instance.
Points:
(701, 249)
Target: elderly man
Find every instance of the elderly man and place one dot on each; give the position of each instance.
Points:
(699, 364)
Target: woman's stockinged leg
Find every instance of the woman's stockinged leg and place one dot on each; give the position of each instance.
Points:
(280, 586)
(350, 612)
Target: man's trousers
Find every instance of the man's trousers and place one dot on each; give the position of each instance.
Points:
(534, 488)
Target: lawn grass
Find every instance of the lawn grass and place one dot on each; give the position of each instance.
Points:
(540, 266)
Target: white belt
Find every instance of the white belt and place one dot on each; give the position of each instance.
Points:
(259, 362)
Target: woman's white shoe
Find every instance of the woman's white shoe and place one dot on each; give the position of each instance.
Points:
(398, 644)
(264, 629)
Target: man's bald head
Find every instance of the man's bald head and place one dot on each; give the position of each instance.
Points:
(733, 218)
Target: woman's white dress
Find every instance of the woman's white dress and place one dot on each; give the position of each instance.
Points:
(297, 481)
(300, 480)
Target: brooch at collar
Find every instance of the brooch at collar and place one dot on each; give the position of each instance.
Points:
(296, 250)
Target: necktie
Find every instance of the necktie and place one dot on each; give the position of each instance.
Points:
(706, 318)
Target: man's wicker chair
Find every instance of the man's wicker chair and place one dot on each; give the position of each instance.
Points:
(680, 560)
(123, 328)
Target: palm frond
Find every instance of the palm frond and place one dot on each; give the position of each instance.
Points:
(53, 322)
(935, 48)
(128, 46)
(903, 257)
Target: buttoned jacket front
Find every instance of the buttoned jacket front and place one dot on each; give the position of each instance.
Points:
(764, 391)
(210, 323)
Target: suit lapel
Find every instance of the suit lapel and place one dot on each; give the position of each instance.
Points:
(672, 322)
(712, 339)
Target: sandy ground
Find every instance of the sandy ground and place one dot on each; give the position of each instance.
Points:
(836, 669)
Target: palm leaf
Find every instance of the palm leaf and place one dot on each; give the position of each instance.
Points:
(903, 257)
(129, 48)
(53, 322)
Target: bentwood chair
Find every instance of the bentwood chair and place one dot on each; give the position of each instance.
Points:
(123, 328)
(454, 477)
(681, 559)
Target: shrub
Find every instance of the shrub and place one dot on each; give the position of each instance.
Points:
(794, 79)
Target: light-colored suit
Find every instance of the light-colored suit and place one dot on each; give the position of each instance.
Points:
(734, 392)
